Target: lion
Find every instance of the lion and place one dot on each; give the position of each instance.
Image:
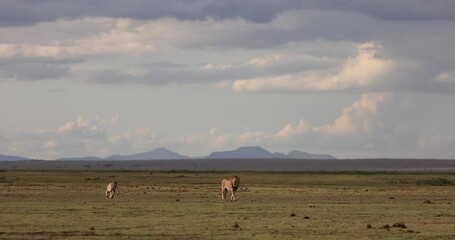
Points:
(232, 185)
(110, 191)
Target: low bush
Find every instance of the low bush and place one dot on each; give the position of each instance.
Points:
(435, 182)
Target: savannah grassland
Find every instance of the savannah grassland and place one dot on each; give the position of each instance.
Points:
(62, 204)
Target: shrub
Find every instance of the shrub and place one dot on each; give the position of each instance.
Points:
(435, 182)
(94, 179)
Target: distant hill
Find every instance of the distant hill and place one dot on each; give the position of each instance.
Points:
(304, 155)
(90, 158)
(11, 158)
(156, 154)
(258, 153)
(246, 152)
(251, 152)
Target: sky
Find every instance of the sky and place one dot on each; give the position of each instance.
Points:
(351, 78)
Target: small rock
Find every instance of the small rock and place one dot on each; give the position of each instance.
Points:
(369, 226)
(235, 226)
(387, 226)
(427, 202)
(399, 225)
(292, 215)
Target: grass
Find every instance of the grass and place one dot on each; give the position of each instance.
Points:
(58, 204)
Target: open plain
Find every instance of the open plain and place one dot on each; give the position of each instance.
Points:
(70, 204)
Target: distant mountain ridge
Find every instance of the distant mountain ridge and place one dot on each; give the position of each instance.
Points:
(88, 158)
(304, 155)
(11, 158)
(251, 152)
(259, 152)
(156, 154)
(246, 152)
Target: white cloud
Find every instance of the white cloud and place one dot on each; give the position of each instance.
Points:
(218, 140)
(140, 139)
(267, 60)
(8, 50)
(291, 130)
(217, 66)
(114, 36)
(78, 137)
(361, 72)
(124, 36)
(253, 138)
(85, 123)
(361, 117)
(360, 126)
(446, 77)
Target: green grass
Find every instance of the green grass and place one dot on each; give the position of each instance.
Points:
(187, 205)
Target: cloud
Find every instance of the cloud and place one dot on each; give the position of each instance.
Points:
(361, 72)
(28, 13)
(253, 138)
(81, 136)
(362, 126)
(405, 10)
(446, 77)
(104, 41)
(218, 140)
(87, 124)
(290, 130)
(199, 143)
(360, 118)
(15, 13)
(273, 63)
(98, 35)
(140, 139)
(32, 70)
(113, 36)
(374, 125)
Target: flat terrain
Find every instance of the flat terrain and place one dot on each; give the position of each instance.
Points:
(243, 164)
(70, 204)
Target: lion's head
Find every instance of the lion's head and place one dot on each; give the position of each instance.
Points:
(235, 181)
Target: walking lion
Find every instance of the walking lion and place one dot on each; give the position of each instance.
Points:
(232, 185)
(110, 190)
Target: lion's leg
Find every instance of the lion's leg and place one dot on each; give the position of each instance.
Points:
(112, 194)
(223, 190)
(108, 194)
(223, 193)
(233, 195)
